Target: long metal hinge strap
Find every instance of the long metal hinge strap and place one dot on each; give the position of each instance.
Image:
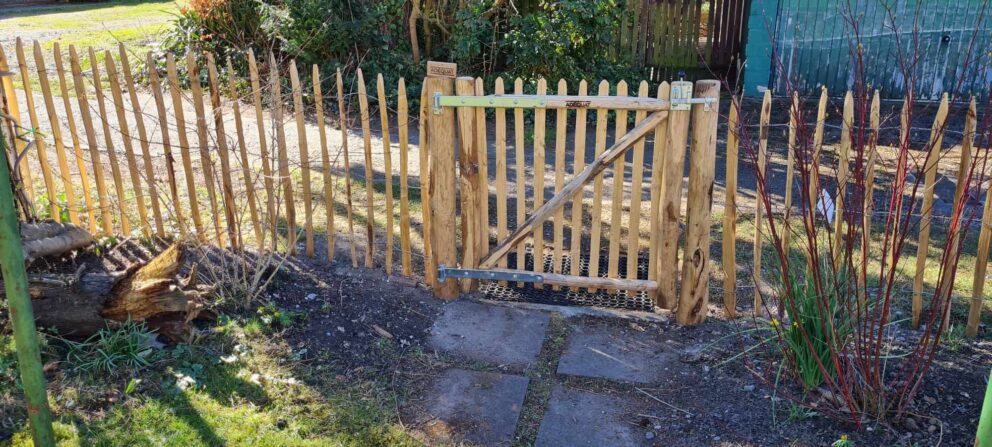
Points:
(444, 273)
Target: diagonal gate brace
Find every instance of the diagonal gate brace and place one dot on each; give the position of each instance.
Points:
(591, 171)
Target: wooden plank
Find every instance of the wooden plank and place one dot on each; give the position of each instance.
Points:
(602, 161)
(403, 129)
(468, 181)
(441, 147)
(658, 158)
(540, 122)
(163, 124)
(325, 161)
(84, 178)
(263, 147)
(501, 223)
(227, 185)
(106, 220)
(520, 162)
(616, 198)
(175, 91)
(275, 102)
(39, 138)
(246, 170)
(729, 245)
(56, 130)
(843, 174)
(109, 142)
(301, 138)
(671, 208)
(579, 163)
(430, 269)
(759, 203)
(930, 180)
(482, 147)
(576, 282)
(206, 165)
(139, 125)
(561, 130)
(125, 131)
(343, 124)
(694, 295)
(363, 104)
(387, 168)
(595, 236)
(636, 195)
(13, 109)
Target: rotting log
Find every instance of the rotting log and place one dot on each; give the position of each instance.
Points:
(78, 305)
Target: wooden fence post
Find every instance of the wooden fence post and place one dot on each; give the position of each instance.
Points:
(468, 178)
(670, 208)
(441, 147)
(695, 269)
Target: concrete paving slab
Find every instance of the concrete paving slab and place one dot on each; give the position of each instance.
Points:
(476, 407)
(492, 334)
(614, 352)
(578, 418)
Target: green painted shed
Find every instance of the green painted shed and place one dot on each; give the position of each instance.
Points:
(810, 43)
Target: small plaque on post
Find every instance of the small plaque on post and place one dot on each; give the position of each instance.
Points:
(442, 70)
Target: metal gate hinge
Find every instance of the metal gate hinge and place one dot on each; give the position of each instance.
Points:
(436, 105)
(444, 273)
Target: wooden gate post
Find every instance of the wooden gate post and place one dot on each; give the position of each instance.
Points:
(441, 146)
(694, 295)
(468, 179)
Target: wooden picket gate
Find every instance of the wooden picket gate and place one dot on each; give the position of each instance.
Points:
(460, 197)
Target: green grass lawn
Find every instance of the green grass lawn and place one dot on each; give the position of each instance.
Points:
(139, 25)
(243, 386)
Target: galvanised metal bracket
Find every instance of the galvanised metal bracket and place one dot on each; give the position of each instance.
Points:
(444, 273)
(441, 101)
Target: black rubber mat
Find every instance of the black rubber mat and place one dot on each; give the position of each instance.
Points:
(566, 297)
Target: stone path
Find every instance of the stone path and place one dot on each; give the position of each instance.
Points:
(575, 381)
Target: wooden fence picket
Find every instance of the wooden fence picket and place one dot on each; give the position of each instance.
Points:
(403, 129)
(363, 107)
(132, 162)
(482, 145)
(469, 181)
(636, 194)
(657, 172)
(115, 166)
(106, 220)
(39, 139)
(325, 161)
(540, 121)
(729, 244)
(139, 125)
(184, 146)
(520, 162)
(343, 123)
(246, 173)
(13, 109)
(501, 223)
(387, 168)
(263, 147)
(276, 101)
(56, 131)
(301, 136)
(206, 164)
(616, 198)
(926, 218)
(430, 267)
(579, 163)
(163, 123)
(595, 230)
(759, 206)
(561, 130)
(74, 135)
(227, 185)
